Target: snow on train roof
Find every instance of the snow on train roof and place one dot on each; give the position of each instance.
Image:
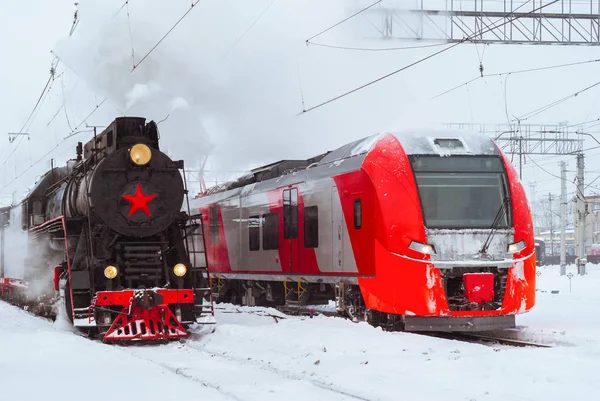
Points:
(446, 143)
(336, 162)
(351, 149)
(422, 143)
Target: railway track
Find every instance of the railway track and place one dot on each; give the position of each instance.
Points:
(193, 362)
(286, 312)
(486, 339)
(466, 337)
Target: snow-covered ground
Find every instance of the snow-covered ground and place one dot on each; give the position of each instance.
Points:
(253, 356)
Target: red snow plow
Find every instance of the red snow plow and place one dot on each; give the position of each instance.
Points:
(144, 314)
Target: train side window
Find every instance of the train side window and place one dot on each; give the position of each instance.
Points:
(270, 231)
(25, 215)
(254, 233)
(37, 207)
(311, 227)
(290, 213)
(214, 225)
(357, 213)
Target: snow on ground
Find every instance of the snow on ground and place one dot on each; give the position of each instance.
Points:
(252, 355)
(41, 361)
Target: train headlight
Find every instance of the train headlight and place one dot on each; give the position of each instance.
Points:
(110, 272)
(516, 247)
(422, 248)
(140, 154)
(180, 270)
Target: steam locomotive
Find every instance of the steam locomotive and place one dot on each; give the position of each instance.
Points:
(106, 235)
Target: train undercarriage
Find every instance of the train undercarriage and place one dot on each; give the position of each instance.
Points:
(306, 295)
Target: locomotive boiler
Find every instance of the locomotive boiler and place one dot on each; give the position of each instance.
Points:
(109, 226)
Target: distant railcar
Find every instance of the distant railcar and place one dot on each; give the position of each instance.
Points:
(540, 251)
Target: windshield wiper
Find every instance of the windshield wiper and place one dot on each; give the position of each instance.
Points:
(495, 223)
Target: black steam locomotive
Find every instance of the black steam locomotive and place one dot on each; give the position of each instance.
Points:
(108, 237)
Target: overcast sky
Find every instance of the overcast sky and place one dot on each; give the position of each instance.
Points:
(236, 96)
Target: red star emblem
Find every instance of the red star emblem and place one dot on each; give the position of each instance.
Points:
(139, 201)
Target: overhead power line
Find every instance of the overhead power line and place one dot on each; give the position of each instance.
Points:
(54, 148)
(548, 106)
(493, 27)
(249, 29)
(166, 34)
(35, 108)
(342, 21)
(383, 49)
(515, 73)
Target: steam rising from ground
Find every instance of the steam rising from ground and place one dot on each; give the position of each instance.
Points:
(15, 247)
(28, 260)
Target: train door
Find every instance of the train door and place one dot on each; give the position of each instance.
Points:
(4, 220)
(1, 250)
(337, 218)
(214, 237)
(290, 229)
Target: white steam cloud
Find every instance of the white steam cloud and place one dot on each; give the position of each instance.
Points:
(15, 247)
(228, 92)
(28, 259)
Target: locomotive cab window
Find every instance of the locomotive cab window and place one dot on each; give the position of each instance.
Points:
(254, 233)
(311, 227)
(290, 213)
(357, 213)
(462, 191)
(270, 231)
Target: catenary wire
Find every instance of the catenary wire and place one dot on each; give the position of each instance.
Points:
(425, 58)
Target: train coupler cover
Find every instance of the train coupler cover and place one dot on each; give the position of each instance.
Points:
(479, 287)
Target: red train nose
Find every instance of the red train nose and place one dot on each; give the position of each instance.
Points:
(479, 287)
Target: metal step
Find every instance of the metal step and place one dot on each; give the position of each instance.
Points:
(82, 313)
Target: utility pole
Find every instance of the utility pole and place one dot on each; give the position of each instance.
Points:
(532, 186)
(563, 217)
(581, 214)
(2, 246)
(551, 222)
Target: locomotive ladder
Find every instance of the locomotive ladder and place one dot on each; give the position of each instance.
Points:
(195, 244)
(196, 247)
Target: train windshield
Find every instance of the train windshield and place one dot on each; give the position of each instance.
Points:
(461, 191)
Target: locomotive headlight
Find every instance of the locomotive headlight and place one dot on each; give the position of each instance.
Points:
(180, 270)
(110, 272)
(140, 154)
(422, 248)
(516, 247)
